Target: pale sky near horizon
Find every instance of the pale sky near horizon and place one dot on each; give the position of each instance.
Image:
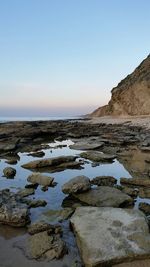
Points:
(63, 57)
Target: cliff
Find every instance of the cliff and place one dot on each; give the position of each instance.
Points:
(132, 94)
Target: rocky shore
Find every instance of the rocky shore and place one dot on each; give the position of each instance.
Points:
(109, 216)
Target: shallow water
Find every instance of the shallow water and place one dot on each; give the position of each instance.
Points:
(12, 256)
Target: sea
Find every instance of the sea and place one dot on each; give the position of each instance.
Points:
(7, 119)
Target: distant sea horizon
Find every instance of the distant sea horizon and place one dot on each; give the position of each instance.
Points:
(37, 118)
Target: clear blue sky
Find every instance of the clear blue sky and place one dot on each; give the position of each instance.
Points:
(60, 57)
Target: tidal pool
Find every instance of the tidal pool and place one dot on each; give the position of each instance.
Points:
(12, 256)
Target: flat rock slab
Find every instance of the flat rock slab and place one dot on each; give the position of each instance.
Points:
(97, 156)
(135, 182)
(49, 162)
(108, 236)
(104, 196)
(86, 146)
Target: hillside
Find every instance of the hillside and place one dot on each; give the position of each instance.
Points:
(132, 94)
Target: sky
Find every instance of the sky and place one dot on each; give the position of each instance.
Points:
(63, 57)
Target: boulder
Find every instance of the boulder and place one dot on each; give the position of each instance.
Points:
(12, 211)
(40, 226)
(107, 236)
(38, 154)
(104, 196)
(77, 184)
(104, 181)
(38, 178)
(9, 172)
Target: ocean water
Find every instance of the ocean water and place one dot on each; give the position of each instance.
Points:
(7, 119)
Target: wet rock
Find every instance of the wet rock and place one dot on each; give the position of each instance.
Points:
(85, 145)
(38, 154)
(38, 178)
(133, 192)
(97, 156)
(144, 192)
(104, 196)
(26, 192)
(9, 172)
(45, 241)
(31, 186)
(35, 203)
(54, 164)
(135, 181)
(58, 215)
(145, 207)
(51, 162)
(11, 161)
(12, 211)
(104, 181)
(40, 227)
(106, 236)
(77, 184)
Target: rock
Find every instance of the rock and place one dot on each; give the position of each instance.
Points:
(54, 164)
(85, 145)
(35, 203)
(45, 241)
(39, 227)
(135, 181)
(50, 162)
(58, 215)
(144, 192)
(97, 156)
(145, 207)
(104, 181)
(106, 236)
(26, 192)
(104, 196)
(12, 211)
(11, 161)
(131, 96)
(133, 192)
(9, 172)
(77, 184)
(38, 154)
(38, 178)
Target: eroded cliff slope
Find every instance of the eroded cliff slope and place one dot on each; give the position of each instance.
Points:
(132, 94)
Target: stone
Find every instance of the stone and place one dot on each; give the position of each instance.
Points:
(49, 162)
(77, 184)
(11, 161)
(26, 192)
(144, 192)
(135, 181)
(97, 156)
(9, 172)
(38, 154)
(85, 145)
(12, 211)
(45, 241)
(133, 192)
(38, 227)
(104, 181)
(38, 178)
(145, 207)
(107, 236)
(58, 215)
(34, 203)
(104, 196)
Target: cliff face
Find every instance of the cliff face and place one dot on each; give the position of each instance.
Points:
(131, 96)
